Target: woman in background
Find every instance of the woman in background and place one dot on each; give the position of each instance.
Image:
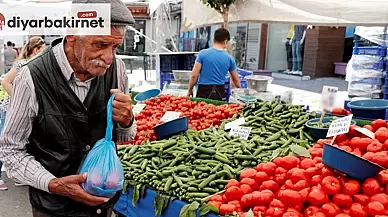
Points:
(34, 46)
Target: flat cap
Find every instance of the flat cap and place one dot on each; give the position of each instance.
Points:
(120, 14)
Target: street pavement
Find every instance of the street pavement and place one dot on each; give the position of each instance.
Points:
(14, 202)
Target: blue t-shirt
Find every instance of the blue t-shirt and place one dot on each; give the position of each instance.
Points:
(215, 66)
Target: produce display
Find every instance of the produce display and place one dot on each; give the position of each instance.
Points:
(277, 171)
(196, 164)
(201, 115)
(297, 186)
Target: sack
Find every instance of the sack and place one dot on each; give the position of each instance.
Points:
(105, 174)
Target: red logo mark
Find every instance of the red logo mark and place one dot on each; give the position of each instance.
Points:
(2, 21)
(87, 14)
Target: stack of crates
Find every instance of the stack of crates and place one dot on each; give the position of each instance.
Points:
(168, 63)
(377, 56)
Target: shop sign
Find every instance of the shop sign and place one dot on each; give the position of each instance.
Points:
(339, 126)
(242, 132)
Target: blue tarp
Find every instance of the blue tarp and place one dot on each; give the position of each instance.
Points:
(145, 206)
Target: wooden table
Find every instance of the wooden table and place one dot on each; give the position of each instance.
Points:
(129, 59)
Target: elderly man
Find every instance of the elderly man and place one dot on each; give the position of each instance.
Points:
(58, 112)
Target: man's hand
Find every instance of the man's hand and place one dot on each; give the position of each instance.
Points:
(122, 108)
(190, 93)
(69, 186)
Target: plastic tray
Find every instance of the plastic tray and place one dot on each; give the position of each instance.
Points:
(171, 128)
(369, 108)
(146, 95)
(355, 167)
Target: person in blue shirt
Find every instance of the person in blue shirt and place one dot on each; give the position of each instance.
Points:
(211, 67)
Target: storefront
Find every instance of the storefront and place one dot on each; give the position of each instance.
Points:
(134, 44)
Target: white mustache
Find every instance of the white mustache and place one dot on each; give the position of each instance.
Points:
(99, 63)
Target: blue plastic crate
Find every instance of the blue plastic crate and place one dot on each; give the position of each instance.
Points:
(243, 72)
(372, 81)
(166, 77)
(377, 65)
(168, 63)
(372, 50)
(189, 61)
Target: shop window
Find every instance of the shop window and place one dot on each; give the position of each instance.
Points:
(134, 43)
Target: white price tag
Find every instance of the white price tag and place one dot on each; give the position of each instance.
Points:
(169, 116)
(366, 132)
(242, 132)
(235, 123)
(328, 97)
(339, 126)
(138, 108)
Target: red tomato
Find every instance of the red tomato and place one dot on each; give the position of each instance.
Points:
(261, 177)
(246, 189)
(380, 197)
(362, 199)
(233, 193)
(382, 177)
(317, 197)
(331, 185)
(342, 200)
(231, 183)
(307, 163)
(248, 173)
(251, 182)
(330, 209)
(375, 208)
(370, 187)
(269, 185)
(357, 210)
(351, 187)
(290, 197)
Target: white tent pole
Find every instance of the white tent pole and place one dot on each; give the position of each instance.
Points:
(138, 32)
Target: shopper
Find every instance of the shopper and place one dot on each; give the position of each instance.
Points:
(63, 94)
(10, 56)
(211, 68)
(34, 46)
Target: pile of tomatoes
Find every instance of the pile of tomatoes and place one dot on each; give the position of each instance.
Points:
(373, 149)
(302, 187)
(201, 115)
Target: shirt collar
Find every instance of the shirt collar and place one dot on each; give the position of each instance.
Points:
(64, 63)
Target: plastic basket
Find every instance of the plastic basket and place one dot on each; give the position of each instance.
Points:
(243, 72)
(373, 50)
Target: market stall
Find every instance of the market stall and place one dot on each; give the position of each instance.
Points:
(233, 153)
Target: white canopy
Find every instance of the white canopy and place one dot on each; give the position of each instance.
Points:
(310, 12)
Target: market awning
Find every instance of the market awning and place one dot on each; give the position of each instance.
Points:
(312, 12)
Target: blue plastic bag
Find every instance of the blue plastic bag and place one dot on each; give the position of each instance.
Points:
(105, 174)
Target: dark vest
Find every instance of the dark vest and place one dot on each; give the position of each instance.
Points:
(65, 128)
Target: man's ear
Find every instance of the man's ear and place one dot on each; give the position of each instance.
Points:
(70, 39)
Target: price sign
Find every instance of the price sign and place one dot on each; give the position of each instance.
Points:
(339, 126)
(328, 97)
(138, 108)
(235, 123)
(366, 132)
(242, 132)
(169, 116)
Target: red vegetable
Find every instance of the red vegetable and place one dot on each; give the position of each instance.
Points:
(357, 210)
(376, 124)
(233, 193)
(375, 208)
(231, 183)
(351, 187)
(370, 187)
(227, 209)
(248, 173)
(250, 182)
(317, 197)
(331, 185)
(342, 200)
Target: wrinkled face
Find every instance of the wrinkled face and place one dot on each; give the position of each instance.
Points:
(94, 54)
